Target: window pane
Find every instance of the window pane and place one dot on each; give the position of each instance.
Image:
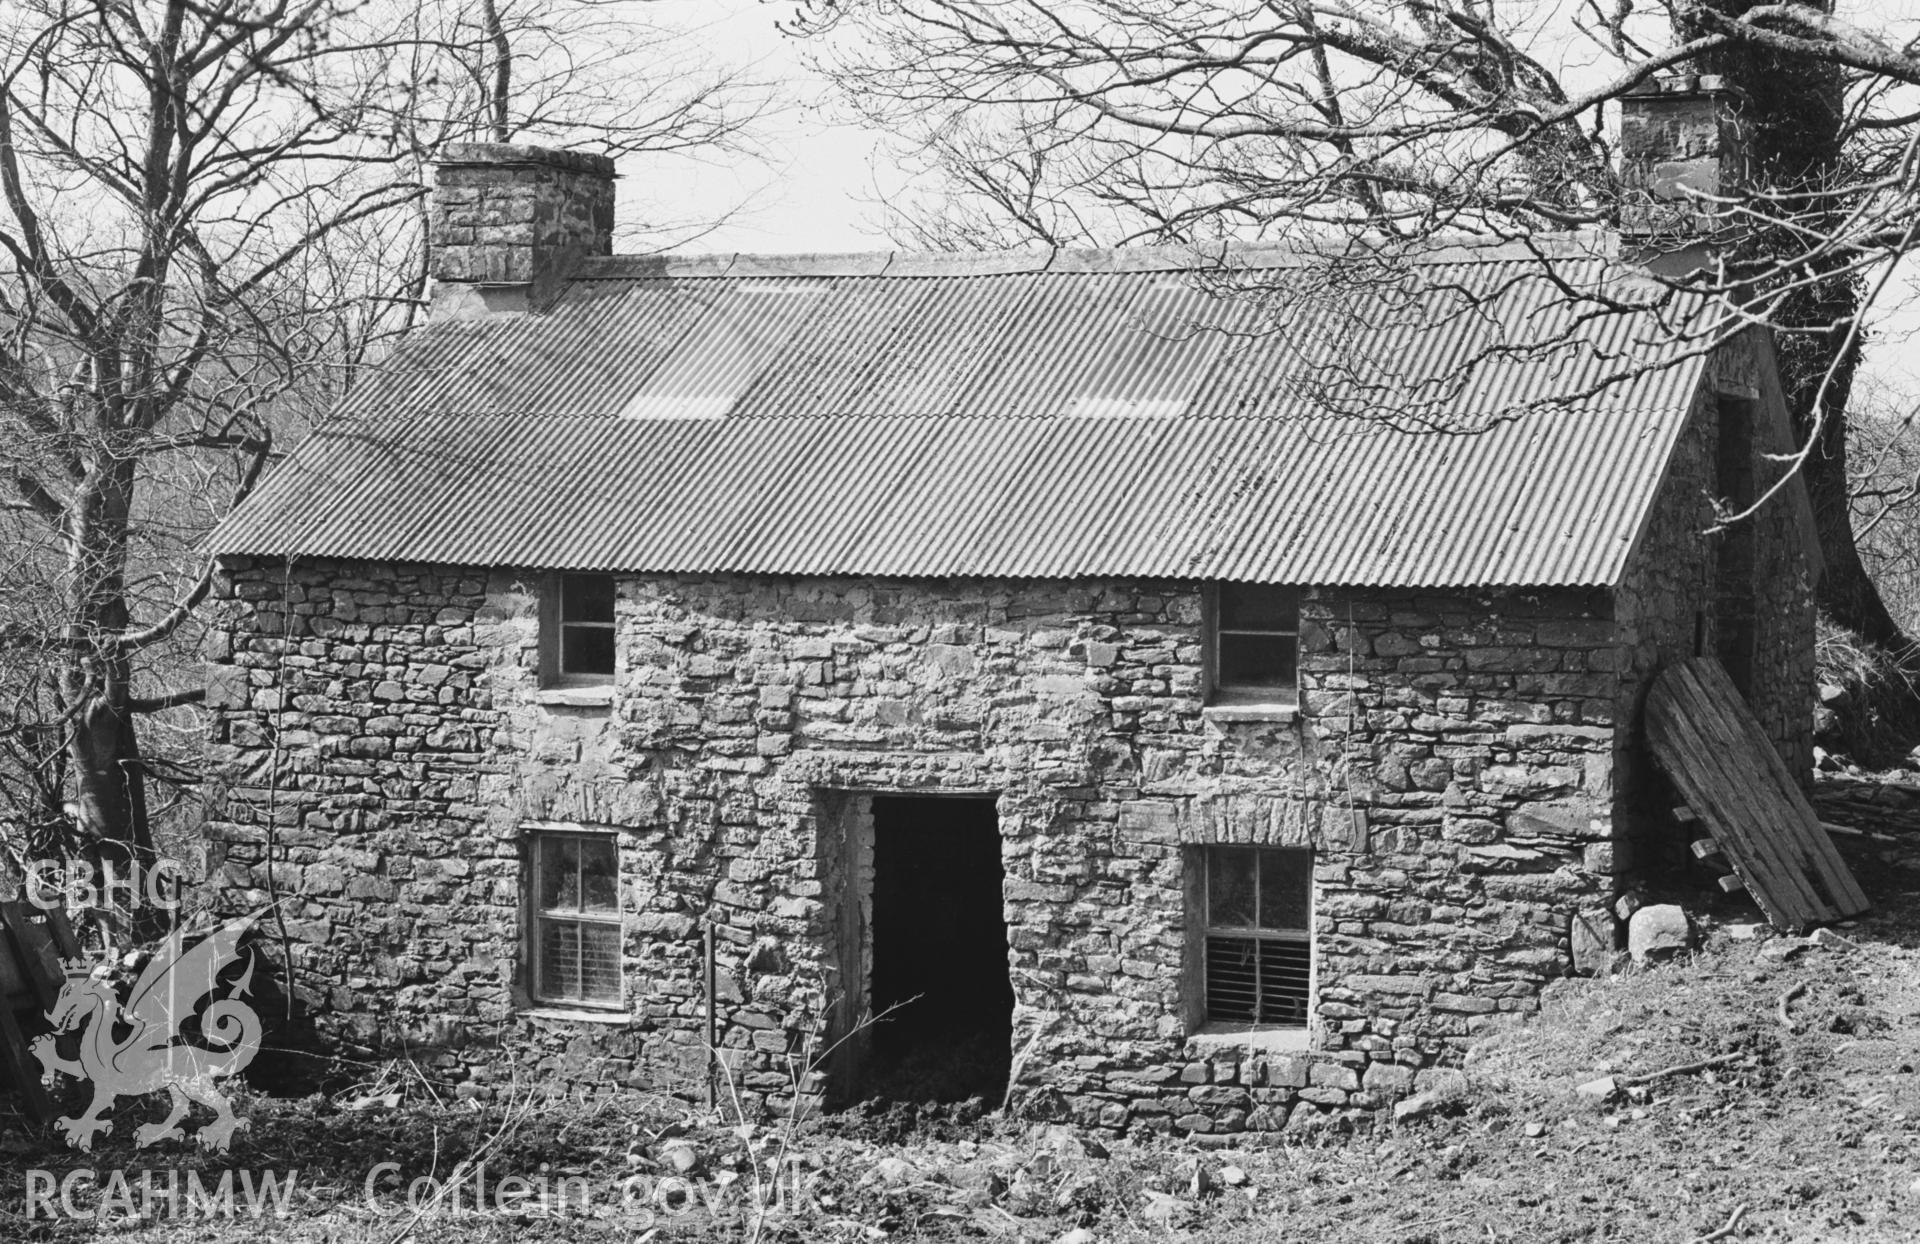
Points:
(1259, 607)
(600, 962)
(1257, 660)
(1258, 980)
(1230, 886)
(1286, 884)
(598, 875)
(1233, 978)
(559, 959)
(1285, 971)
(586, 598)
(586, 650)
(559, 872)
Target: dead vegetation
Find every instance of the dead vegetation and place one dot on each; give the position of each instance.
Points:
(1759, 1088)
(1868, 705)
(1806, 1130)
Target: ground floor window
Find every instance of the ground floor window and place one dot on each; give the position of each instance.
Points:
(574, 908)
(1258, 905)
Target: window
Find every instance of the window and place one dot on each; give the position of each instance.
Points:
(575, 907)
(577, 630)
(1256, 643)
(1258, 902)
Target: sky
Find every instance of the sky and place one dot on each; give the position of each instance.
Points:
(818, 186)
(814, 190)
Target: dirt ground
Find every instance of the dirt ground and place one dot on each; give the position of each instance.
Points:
(1804, 1125)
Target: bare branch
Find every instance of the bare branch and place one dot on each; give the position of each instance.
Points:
(172, 699)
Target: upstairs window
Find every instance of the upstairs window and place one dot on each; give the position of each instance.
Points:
(1256, 644)
(577, 630)
(574, 902)
(1258, 921)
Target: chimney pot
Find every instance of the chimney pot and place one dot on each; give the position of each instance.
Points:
(508, 221)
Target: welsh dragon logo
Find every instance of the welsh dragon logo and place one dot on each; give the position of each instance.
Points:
(132, 1049)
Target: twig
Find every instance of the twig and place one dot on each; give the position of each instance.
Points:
(426, 1083)
(1786, 1020)
(509, 1125)
(1733, 1224)
(1718, 1060)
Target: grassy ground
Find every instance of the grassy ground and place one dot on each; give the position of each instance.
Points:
(1806, 1126)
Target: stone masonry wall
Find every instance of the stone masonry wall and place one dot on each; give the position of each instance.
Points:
(382, 734)
(1474, 737)
(511, 215)
(1666, 604)
(1681, 145)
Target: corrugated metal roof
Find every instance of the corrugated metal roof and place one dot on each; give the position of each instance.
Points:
(1461, 420)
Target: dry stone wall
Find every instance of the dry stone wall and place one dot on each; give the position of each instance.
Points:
(383, 736)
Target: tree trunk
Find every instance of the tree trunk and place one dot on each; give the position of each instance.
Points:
(499, 94)
(1794, 115)
(109, 790)
(1847, 592)
(107, 785)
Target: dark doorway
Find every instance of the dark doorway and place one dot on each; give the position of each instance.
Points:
(1734, 566)
(939, 952)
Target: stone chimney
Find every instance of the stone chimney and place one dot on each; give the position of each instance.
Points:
(509, 221)
(1680, 138)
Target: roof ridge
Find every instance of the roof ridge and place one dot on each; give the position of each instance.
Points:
(1589, 244)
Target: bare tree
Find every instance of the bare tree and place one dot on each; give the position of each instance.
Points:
(1884, 461)
(592, 73)
(1383, 126)
(209, 223)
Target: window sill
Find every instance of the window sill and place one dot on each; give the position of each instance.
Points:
(1283, 714)
(599, 695)
(1236, 1037)
(575, 1015)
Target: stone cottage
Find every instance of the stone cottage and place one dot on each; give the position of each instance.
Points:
(1200, 689)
